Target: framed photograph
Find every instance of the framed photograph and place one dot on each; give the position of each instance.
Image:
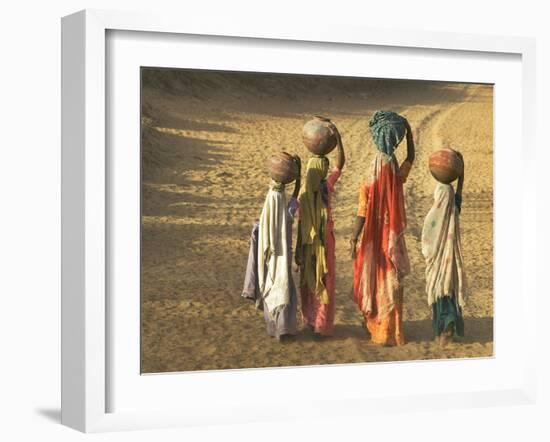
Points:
(266, 222)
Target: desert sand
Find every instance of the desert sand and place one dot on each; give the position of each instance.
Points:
(205, 139)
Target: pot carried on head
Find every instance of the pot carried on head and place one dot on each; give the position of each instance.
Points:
(317, 137)
(445, 165)
(282, 168)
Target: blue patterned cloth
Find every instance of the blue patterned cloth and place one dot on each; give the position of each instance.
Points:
(387, 129)
(446, 311)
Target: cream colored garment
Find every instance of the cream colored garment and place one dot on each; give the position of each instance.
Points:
(273, 259)
(442, 249)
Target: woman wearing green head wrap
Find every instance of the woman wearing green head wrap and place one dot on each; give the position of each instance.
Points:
(381, 260)
(315, 249)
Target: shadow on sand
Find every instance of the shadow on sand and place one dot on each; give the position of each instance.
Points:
(476, 330)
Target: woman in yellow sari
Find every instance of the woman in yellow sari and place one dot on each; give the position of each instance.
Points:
(315, 249)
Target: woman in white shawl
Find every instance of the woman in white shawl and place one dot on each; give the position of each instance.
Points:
(268, 278)
(445, 275)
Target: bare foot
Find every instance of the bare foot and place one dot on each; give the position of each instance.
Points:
(449, 333)
(447, 336)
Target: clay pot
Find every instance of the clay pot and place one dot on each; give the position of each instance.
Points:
(282, 168)
(318, 138)
(445, 165)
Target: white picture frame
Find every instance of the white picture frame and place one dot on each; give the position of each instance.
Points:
(86, 353)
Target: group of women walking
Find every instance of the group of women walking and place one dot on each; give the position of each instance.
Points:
(378, 246)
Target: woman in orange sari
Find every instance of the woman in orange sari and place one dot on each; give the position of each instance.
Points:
(381, 260)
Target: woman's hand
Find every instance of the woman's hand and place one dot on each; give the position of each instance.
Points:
(353, 247)
(332, 127)
(357, 229)
(461, 176)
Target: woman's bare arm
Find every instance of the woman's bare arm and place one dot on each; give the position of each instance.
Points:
(357, 229)
(297, 183)
(459, 186)
(298, 251)
(341, 157)
(410, 143)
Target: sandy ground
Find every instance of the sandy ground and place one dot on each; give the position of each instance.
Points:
(204, 143)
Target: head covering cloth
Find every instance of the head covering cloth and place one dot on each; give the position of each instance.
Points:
(387, 130)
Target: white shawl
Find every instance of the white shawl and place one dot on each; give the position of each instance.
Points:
(442, 248)
(273, 259)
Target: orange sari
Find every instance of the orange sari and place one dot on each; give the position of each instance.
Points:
(381, 260)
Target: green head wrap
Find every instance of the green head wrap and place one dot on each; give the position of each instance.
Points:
(387, 129)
